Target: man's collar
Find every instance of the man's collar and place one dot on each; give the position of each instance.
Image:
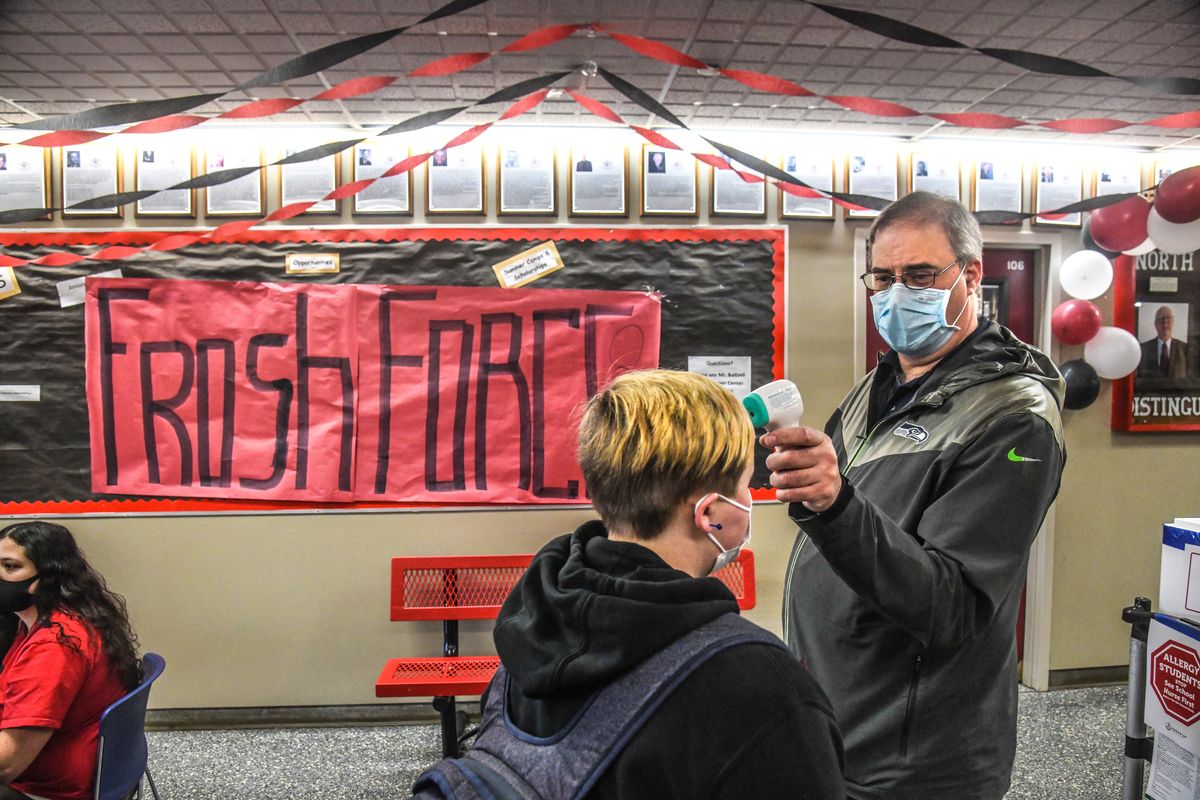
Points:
(892, 361)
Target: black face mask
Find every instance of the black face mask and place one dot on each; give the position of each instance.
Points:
(15, 596)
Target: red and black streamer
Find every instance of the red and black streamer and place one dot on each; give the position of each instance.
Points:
(307, 64)
(1034, 62)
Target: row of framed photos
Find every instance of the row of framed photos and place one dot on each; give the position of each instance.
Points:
(527, 180)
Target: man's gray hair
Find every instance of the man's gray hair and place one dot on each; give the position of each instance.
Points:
(927, 208)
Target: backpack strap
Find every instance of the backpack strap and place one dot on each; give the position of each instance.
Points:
(460, 779)
(568, 764)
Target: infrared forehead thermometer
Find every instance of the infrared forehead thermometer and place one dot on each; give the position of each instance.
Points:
(776, 405)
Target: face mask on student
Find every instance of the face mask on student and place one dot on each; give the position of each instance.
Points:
(913, 321)
(15, 596)
(725, 557)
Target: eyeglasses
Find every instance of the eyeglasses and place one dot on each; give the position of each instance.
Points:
(922, 277)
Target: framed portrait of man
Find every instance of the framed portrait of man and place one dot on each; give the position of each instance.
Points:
(737, 191)
(88, 172)
(598, 179)
(930, 171)
(454, 180)
(242, 196)
(997, 183)
(159, 163)
(669, 184)
(390, 195)
(528, 178)
(874, 173)
(813, 166)
(1116, 175)
(24, 178)
(309, 181)
(1057, 183)
(1156, 297)
(1162, 168)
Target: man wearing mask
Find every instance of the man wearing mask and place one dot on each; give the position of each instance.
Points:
(916, 508)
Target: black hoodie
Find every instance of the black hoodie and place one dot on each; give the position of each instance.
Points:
(749, 723)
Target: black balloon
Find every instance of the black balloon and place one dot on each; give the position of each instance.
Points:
(1083, 384)
(1090, 243)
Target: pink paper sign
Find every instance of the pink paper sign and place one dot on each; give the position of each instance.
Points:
(339, 393)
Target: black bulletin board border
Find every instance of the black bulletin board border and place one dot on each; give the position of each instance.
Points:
(723, 295)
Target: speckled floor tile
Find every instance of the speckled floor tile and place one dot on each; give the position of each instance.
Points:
(1069, 748)
(1070, 745)
(285, 764)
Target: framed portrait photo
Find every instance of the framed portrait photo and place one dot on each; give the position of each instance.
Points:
(598, 181)
(242, 196)
(454, 180)
(997, 184)
(1164, 167)
(932, 172)
(90, 171)
(1116, 175)
(733, 195)
(815, 168)
(528, 178)
(1056, 184)
(390, 195)
(24, 178)
(668, 181)
(157, 165)
(1156, 297)
(875, 173)
(309, 181)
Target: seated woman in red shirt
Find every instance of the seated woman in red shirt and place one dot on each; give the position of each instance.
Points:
(70, 654)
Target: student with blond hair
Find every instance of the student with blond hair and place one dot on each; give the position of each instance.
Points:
(667, 457)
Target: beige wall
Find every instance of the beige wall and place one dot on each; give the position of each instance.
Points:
(1117, 491)
(293, 610)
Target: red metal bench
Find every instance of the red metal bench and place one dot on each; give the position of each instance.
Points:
(453, 588)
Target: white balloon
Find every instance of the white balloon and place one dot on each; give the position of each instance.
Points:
(1171, 237)
(1113, 352)
(1141, 250)
(1085, 274)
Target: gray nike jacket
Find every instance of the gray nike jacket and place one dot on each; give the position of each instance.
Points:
(902, 597)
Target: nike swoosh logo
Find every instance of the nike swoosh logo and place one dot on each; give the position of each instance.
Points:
(1012, 456)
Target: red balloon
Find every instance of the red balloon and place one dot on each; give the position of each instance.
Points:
(1121, 226)
(1075, 321)
(1177, 198)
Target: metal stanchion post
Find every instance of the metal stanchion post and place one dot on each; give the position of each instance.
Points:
(1137, 746)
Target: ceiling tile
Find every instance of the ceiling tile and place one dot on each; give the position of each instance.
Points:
(140, 23)
(70, 48)
(40, 23)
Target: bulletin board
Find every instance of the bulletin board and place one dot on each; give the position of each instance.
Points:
(1147, 291)
(720, 290)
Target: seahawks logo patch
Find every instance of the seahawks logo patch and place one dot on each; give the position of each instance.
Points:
(911, 430)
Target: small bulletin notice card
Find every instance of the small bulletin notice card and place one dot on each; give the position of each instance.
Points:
(528, 266)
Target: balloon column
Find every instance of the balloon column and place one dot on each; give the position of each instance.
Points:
(1174, 222)
(1133, 226)
(1085, 275)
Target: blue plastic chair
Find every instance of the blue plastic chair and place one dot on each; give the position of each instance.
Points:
(121, 756)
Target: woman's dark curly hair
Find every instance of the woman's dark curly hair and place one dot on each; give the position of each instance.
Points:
(68, 583)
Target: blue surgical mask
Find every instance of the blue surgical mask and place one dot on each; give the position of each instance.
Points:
(913, 321)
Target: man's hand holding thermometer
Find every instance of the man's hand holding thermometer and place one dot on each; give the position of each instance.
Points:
(804, 465)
